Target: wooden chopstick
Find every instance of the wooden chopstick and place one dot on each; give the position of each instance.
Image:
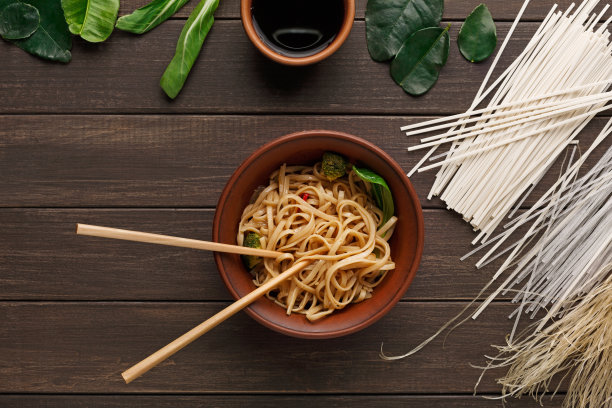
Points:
(160, 355)
(106, 232)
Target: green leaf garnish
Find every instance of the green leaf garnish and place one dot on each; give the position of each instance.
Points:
(18, 20)
(150, 16)
(389, 23)
(478, 37)
(380, 191)
(52, 39)
(93, 20)
(188, 47)
(418, 63)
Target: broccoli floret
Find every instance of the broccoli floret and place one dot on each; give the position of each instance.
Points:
(252, 241)
(333, 165)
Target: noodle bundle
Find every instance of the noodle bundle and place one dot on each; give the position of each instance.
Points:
(335, 225)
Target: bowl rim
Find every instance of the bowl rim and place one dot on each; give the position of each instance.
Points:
(412, 268)
(345, 29)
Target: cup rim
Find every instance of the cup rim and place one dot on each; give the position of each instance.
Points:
(345, 29)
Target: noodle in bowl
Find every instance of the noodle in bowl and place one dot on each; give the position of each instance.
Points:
(331, 224)
(405, 238)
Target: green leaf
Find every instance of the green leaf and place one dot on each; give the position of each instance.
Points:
(93, 20)
(380, 191)
(150, 16)
(18, 20)
(390, 22)
(52, 39)
(188, 47)
(478, 37)
(418, 63)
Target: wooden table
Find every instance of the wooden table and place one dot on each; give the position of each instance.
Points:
(96, 141)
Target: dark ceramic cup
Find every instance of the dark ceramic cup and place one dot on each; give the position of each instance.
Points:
(246, 13)
(307, 148)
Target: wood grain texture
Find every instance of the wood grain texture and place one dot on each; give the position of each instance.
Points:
(172, 161)
(264, 401)
(83, 347)
(98, 138)
(43, 258)
(122, 75)
(454, 10)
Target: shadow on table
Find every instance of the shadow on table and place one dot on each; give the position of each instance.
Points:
(282, 79)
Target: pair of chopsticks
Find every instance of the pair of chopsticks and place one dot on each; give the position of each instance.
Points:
(160, 355)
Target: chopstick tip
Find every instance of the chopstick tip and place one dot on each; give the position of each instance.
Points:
(126, 378)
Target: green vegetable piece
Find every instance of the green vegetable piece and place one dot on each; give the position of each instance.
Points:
(18, 20)
(252, 240)
(390, 22)
(188, 47)
(380, 191)
(150, 16)
(478, 37)
(52, 39)
(333, 165)
(93, 20)
(418, 63)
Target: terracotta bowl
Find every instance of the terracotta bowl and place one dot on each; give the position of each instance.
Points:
(307, 148)
(247, 22)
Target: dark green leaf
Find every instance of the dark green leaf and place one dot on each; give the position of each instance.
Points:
(93, 20)
(188, 47)
(380, 192)
(390, 22)
(18, 20)
(478, 37)
(150, 16)
(418, 63)
(52, 39)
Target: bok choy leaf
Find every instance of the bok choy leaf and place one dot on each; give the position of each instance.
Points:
(189, 44)
(150, 16)
(93, 20)
(380, 191)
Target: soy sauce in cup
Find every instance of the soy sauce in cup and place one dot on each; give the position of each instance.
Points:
(297, 28)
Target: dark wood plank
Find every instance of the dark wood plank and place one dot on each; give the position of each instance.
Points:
(454, 10)
(261, 401)
(169, 161)
(44, 259)
(83, 347)
(122, 75)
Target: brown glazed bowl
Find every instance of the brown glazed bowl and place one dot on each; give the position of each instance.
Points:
(247, 22)
(307, 148)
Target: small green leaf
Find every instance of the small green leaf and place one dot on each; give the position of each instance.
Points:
(188, 47)
(418, 63)
(18, 20)
(93, 20)
(380, 192)
(52, 39)
(150, 16)
(478, 37)
(390, 22)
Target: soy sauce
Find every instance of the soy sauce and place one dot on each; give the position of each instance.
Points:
(297, 28)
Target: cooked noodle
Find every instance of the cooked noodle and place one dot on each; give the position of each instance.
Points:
(335, 229)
